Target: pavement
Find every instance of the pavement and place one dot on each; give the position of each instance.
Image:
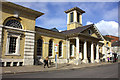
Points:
(39, 68)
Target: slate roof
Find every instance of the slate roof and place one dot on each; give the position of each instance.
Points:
(116, 43)
(75, 8)
(77, 30)
(47, 29)
(107, 38)
(54, 29)
(71, 32)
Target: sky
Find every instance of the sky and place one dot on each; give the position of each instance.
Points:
(103, 14)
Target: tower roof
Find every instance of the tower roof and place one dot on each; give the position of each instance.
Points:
(75, 8)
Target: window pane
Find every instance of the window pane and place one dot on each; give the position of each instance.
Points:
(12, 45)
(70, 49)
(60, 48)
(71, 17)
(13, 23)
(78, 18)
(39, 47)
(50, 47)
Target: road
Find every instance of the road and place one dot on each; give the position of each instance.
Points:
(104, 71)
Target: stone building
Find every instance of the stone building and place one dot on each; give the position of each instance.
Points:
(17, 34)
(106, 48)
(23, 43)
(114, 38)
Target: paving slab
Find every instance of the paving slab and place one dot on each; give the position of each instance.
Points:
(38, 68)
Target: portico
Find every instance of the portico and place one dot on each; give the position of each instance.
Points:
(87, 50)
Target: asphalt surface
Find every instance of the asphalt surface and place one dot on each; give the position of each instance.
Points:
(103, 71)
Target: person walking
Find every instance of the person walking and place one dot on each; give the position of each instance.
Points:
(108, 59)
(46, 62)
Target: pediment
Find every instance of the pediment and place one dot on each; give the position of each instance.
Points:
(93, 32)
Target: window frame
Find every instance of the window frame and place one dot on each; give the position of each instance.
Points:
(78, 17)
(89, 31)
(72, 18)
(41, 48)
(14, 19)
(61, 49)
(52, 48)
(17, 44)
(12, 43)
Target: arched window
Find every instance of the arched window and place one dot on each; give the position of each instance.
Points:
(60, 48)
(13, 23)
(50, 48)
(89, 32)
(39, 47)
(107, 43)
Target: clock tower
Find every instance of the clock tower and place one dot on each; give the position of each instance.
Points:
(74, 18)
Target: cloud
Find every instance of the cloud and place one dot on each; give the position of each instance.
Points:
(95, 12)
(48, 23)
(38, 6)
(111, 14)
(63, 0)
(107, 27)
(89, 23)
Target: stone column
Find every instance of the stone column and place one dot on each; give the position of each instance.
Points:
(68, 50)
(0, 42)
(85, 60)
(92, 52)
(97, 53)
(103, 52)
(77, 48)
(75, 16)
(78, 61)
(80, 18)
(68, 18)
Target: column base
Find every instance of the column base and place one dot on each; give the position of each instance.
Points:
(97, 60)
(85, 60)
(28, 61)
(77, 61)
(92, 61)
(106, 60)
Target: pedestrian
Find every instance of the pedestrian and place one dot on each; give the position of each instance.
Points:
(46, 62)
(108, 59)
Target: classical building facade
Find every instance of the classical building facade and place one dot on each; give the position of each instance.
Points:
(17, 33)
(23, 43)
(77, 42)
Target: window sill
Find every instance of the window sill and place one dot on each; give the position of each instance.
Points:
(12, 54)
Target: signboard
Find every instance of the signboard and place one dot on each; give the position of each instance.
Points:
(56, 48)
